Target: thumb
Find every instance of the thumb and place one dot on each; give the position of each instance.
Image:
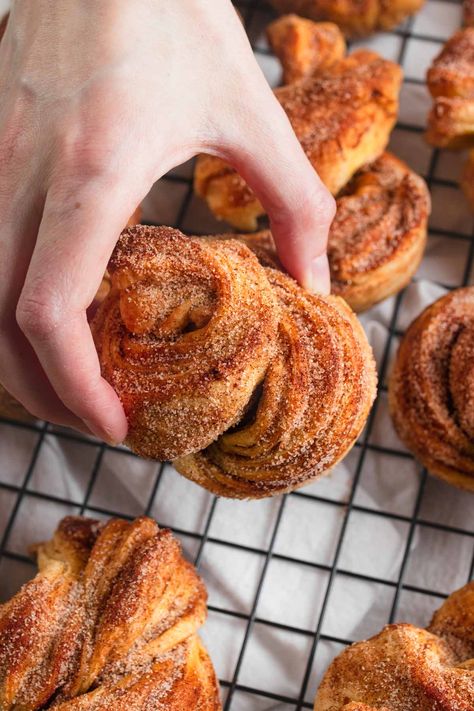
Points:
(300, 208)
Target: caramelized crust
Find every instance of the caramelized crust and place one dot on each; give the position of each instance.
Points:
(451, 83)
(354, 17)
(377, 238)
(304, 47)
(405, 668)
(285, 441)
(343, 119)
(432, 388)
(262, 350)
(467, 181)
(184, 337)
(109, 622)
(452, 72)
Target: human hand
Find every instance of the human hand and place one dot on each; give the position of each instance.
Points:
(98, 100)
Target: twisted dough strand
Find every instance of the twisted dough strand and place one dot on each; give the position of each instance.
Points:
(315, 399)
(290, 374)
(184, 336)
(431, 391)
(109, 622)
(405, 668)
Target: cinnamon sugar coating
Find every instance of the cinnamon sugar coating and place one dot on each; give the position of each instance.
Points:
(109, 622)
(354, 17)
(184, 336)
(468, 13)
(11, 409)
(431, 392)
(405, 668)
(261, 349)
(451, 83)
(343, 119)
(304, 47)
(377, 238)
(313, 403)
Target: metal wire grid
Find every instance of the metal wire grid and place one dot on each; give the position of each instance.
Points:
(251, 696)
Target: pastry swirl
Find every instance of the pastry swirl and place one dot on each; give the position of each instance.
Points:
(285, 441)
(342, 118)
(184, 336)
(377, 238)
(408, 668)
(304, 47)
(451, 83)
(431, 391)
(280, 349)
(109, 622)
(355, 17)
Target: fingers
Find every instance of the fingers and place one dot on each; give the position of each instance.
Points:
(78, 231)
(300, 208)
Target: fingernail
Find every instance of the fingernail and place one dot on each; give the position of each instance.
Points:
(320, 277)
(101, 433)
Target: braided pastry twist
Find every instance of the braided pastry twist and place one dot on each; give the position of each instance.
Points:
(431, 392)
(405, 668)
(109, 622)
(354, 17)
(290, 374)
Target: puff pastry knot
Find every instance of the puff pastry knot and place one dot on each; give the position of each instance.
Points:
(405, 668)
(109, 622)
(253, 385)
(451, 83)
(355, 17)
(431, 391)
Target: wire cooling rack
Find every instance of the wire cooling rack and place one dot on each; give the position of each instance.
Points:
(293, 579)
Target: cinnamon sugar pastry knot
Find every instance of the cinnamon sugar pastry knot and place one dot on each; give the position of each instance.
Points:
(405, 668)
(431, 391)
(354, 17)
(304, 47)
(451, 83)
(377, 238)
(311, 407)
(262, 352)
(109, 622)
(467, 180)
(343, 119)
(184, 336)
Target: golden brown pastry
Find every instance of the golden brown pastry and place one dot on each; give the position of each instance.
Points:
(198, 329)
(354, 17)
(109, 622)
(467, 180)
(468, 13)
(304, 47)
(184, 337)
(343, 119)
(431, 391)
(377, 238)
(451, 83)
(406, 668)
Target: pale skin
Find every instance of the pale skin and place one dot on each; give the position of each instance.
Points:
(100, 98)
